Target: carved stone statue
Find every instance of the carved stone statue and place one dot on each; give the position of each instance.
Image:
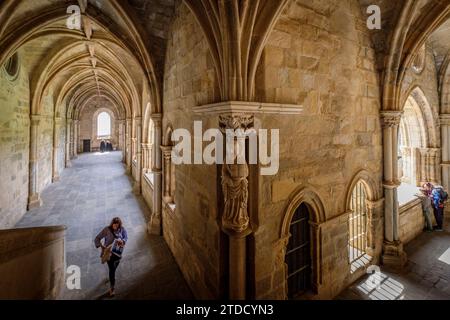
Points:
(235, 189)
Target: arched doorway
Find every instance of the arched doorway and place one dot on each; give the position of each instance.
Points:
(299, 253)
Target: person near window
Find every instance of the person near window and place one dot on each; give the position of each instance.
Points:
(425, 197)
(102, 146)
(114, 239)
(439, 197)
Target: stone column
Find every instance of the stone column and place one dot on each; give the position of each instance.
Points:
(128, 145)
(137, 188)
(146, 157)
(393, 254)
(122, 138)
(429, 162)
(167, 171)
(235, 216)
(56, 132)
(76, 133)
(72, 140)
(34, 199)
(434, 165)
(154, 226)
(68, 139)
(375, 214)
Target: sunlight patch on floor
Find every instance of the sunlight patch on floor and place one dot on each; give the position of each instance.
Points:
(380, 287)
(445, 257)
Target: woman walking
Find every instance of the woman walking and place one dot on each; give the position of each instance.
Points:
(114, 239)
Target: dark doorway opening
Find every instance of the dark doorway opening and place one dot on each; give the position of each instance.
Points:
(86, 145)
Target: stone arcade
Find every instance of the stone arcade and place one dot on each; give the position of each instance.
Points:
(363, 115)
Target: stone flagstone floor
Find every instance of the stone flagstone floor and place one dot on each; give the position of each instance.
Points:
(87, 197)
(426, 276)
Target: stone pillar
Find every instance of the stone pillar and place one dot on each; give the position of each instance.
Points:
(393, 254)
(68, 139)
(435, 160)
(146, 157)
(429, 163)
(76, 133)
(72, 140)
(137, 188)
(56, 132)
(128, 145)
(154, 226)
(34, 199)
(235, 216)
(374, 214)
(122, 138)
(167, 171)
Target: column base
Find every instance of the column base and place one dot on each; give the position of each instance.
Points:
(128, 170)
(154, 226)
(34, 202)
(56, 179)
(394, 258)
(68, 164)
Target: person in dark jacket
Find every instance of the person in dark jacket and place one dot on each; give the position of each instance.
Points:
(115, 238)
(102, 146)
(439, 197)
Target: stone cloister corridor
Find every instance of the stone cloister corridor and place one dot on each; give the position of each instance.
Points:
(255, 149)
(91, 193)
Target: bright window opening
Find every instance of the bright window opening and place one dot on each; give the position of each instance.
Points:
(104, 126)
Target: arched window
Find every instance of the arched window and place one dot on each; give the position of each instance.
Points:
(104, 126)
(413, 138)
(298, 253)
(357, 226)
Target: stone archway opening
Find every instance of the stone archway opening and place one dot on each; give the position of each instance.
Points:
(416, 164)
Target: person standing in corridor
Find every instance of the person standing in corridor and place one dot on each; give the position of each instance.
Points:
(114, 239)
(439, 197)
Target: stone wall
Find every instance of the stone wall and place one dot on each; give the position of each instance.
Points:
(411, 221)
(14, 147)
(33, 260)
(147, 191)
(88, 125)
(45, 143)
(192, 231)
(319, 56)
(61, 140)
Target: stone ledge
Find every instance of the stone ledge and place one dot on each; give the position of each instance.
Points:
(409, 205)
(19, 242)
(248, 107)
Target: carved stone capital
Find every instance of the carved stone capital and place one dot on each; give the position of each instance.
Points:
(431, 152)
(167, 152)
(157, 119)
(390, 119)
(444, 119)
(146, 146)
(236, 121)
